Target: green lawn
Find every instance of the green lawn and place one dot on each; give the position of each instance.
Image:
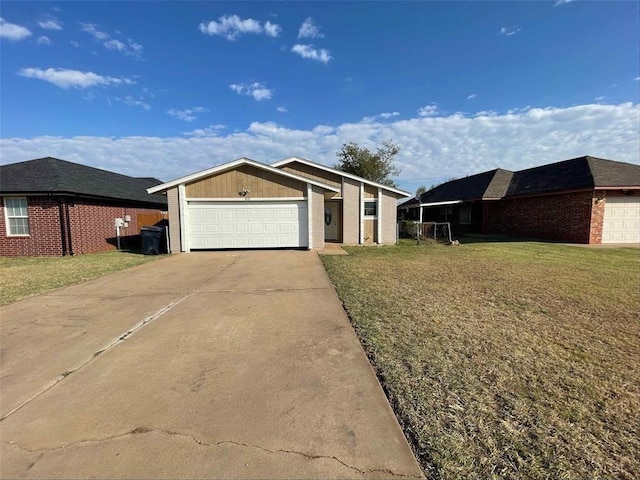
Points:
(25, 276)
(504, 360)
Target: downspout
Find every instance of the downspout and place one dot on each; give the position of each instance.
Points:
(66, 207)
(62, 231)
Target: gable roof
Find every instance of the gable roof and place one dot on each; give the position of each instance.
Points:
(281, 163)
(574, 174)
(485, 185)
(54, 176)
(228, 166)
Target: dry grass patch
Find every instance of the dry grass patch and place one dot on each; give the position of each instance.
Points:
(25, 276)
(504, 360)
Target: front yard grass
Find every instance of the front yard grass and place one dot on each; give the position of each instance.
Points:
(25, 276)
(504, 360)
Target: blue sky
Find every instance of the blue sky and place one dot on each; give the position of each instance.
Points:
(168, 88)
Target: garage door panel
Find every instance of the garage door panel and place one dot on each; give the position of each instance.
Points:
(621, 222)
(247, 224)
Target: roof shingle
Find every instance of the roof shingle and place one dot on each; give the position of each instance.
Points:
(574, 174)
(52, 175)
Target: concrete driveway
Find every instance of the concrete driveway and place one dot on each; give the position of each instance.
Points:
(202, 365)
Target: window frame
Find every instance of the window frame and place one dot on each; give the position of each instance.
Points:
(364, 208)
(465, 207)
(8, 217)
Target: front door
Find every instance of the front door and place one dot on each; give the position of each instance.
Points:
(331, 221)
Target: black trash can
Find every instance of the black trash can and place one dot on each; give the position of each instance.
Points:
(152, 240)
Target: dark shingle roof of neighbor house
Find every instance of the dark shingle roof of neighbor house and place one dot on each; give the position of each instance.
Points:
(575, 174)
(410, 202)
(491, 184)
(52, 175)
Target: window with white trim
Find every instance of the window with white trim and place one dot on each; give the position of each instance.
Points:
(371, 207)
(16, 215)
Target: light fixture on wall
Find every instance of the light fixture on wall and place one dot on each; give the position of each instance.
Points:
(244, 192)
(599, 199)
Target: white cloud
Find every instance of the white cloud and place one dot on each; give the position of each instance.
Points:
(50, 24)
(428, 110)
(472, 96)
(92, 29)
(432, 147)
(187, 114)
(509, 31)
(600, 99)
(308, 51)
(308, 29)
(272, 29)
(380, 116)
(64, 78)
(256, 90)
(210, 131)
(13, 32)
(128, 47)
(129, 100)
(44, 40)
(282, 109)
(115, 45)
(561, 2)
(232, 26)
(637, 79)
(73, 43)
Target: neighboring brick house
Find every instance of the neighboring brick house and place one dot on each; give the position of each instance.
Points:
(54, 208)
(582, 200)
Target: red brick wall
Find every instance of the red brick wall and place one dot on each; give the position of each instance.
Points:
(44, 230)
(92, 228)
(564, 217)
(597, 218)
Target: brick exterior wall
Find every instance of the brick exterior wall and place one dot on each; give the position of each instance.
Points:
(351, 211)
(568, 217)
(597, 218)
(44, 230)
(92, 228)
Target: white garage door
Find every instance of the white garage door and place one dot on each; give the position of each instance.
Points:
(621, 220)
(247, 224)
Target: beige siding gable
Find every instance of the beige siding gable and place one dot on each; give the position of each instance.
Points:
(370, 191)
(313, 173)
(260, 184)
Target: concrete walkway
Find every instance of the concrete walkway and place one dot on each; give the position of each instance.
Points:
(203, 365)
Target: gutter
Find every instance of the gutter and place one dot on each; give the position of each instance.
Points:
(435, 204)
(66, 206)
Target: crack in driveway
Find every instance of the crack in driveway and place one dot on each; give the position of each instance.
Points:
(121, 338)
(171, 433)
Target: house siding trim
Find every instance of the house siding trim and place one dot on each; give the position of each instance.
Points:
(361, 218)
(309, 216)
(184, 240)
(379, 216)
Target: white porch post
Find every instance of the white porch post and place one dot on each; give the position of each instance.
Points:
(379, 216)
(361, 213)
